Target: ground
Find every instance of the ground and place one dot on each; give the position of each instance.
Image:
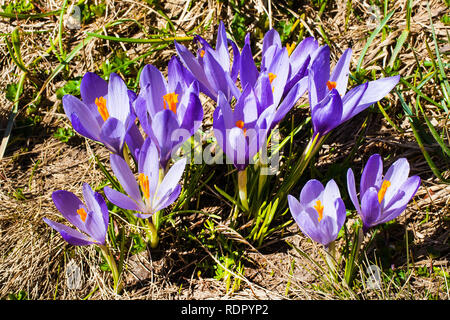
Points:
(42, 154)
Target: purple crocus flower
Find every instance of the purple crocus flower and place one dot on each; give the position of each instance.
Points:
(169, 111)
(383, 198)
(104, 113)
(329, 100)
(282, 77)
(240, 132)
(91, 218)
(284, 65)
(212, 67)
(319, 212)
(147, 195)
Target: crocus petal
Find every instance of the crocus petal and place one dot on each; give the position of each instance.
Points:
(118, 103)
(399, 202)
(263, 91)
(351, 101)
(318, 74)
(310, 192)
(326, 115)
(67, 203)
(178, 74)
(140, 107)
(169, 198)
(134, 140)
(246, 108)
(156, 87)
(280, 67)
(236, 61)
(341, 72)
(193, 113)
(72, 236)
(301, 53)
(331, 192)
(92, 86)
(290, 100)
(113, 135)
(304, 221)
(351, 187)
(249, 72)
(397, 174)
(83, 119)
(125, 176)
(172, 178)
(97, 219)
(196, 69)
(238, 150)
(271, 38)
(222, 47)
(372, 174)
(377, 90)
(149, 164)
(123, 201)
(164, 125)
(370, 208)
(219, 79)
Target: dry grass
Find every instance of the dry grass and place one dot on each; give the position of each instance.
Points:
(34, 259)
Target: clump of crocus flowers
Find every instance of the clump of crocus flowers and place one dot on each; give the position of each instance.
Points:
(149, 127)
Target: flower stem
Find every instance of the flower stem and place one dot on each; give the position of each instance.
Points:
(112, 265)
(152, 233)
(331, 258)
(242, 184)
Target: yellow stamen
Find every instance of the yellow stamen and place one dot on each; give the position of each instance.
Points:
(202, 53)
(82, 213)
(272, 77)
(331, 85)
(319, 209)
(386, 184)
(143, 182)
(290, 48)
(101, 106)
(170, 101)
(240, 125)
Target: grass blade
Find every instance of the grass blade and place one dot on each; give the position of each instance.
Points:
(371, 38)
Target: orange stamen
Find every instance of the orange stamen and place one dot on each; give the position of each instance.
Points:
(240, 125)
(272, 77)
(101, 106)
(290, 48)
(386, 184)
(170, 101)
(331, 85)
(202, 53)
(82, 213)
(319, 209)
(143, 182)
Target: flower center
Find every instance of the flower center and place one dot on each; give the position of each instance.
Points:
(143, 182)
(170, 101)
(386, 184)
(331, 85)
(319, 209)
(271, 78)
(202, 53)
(82, 213)
(290, 48)
(101, 106)
(240, 125)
